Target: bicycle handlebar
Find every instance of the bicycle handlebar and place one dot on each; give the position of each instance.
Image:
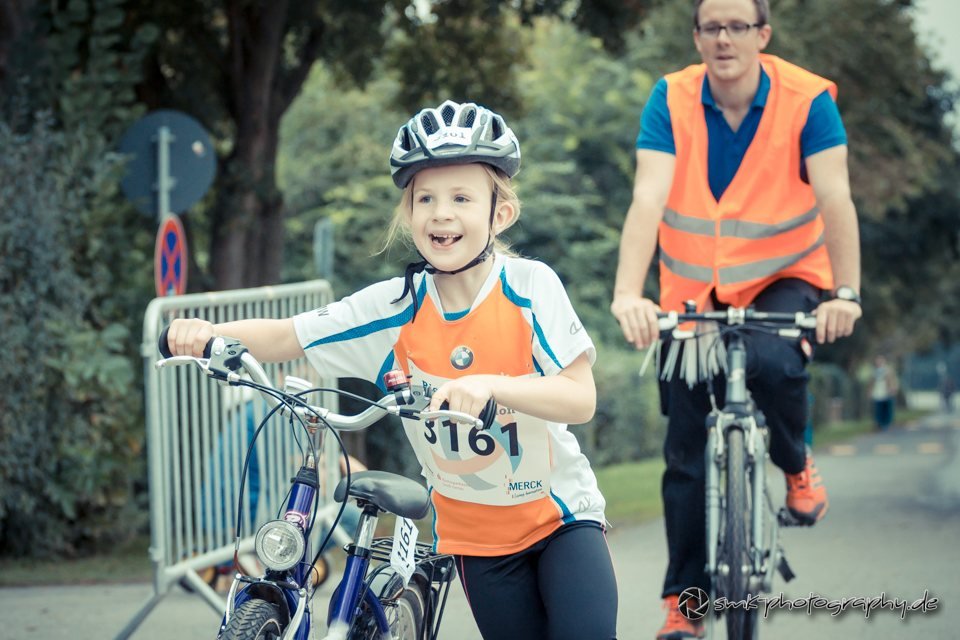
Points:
(788, 323)
(223, 357)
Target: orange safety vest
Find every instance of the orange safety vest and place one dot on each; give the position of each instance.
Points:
(766, 225)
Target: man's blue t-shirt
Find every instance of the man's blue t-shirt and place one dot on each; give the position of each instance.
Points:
(726, 147)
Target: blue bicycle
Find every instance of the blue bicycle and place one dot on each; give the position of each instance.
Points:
(392, 587)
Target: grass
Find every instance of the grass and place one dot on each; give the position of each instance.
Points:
(632, 491)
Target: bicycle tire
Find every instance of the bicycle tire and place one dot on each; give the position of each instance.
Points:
(405, 616)
(735, 550)
(254, 620)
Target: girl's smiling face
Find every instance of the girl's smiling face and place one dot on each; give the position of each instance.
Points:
(450, 219)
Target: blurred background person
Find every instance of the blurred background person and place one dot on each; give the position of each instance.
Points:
(883, 392)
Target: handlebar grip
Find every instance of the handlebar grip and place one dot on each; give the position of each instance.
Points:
(489, 413)
(164, 346)
(667, 321)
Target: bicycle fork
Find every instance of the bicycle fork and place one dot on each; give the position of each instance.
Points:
(755, 458)
(352, 587)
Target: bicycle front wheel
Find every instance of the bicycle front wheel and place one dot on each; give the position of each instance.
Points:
(254, 620)
(735, 550)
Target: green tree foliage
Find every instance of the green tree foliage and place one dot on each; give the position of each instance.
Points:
(333, 166)
(463, 48)
(74, 279)
(575, 182)
(70, 432)
(236, 66)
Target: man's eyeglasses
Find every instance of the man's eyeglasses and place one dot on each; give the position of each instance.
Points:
(734, 29)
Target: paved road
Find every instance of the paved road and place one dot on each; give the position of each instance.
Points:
(892, 529)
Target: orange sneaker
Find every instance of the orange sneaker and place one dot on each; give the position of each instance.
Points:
(806, 495)
(677, 626)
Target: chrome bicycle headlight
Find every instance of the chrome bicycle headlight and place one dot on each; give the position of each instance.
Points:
(279, 545)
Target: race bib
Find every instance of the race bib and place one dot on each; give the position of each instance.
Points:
(507, 464)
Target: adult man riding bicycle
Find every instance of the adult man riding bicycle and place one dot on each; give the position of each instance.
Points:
(742, 184)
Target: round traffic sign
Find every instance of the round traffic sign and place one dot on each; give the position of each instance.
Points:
(170, 258)
(192, 162)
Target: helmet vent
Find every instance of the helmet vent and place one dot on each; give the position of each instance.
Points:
(496, 127)
(429, 123)
(468, 117)
(447, 114)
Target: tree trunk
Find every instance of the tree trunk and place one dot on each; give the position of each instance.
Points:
(247, 239)
(12, 23)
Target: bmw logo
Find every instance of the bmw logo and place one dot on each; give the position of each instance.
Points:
(461, 358)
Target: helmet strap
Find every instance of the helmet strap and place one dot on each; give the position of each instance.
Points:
(482, 256)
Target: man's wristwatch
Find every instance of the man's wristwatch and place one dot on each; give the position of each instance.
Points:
(844, 292)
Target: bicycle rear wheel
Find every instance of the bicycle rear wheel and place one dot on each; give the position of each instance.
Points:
(405, 617)
(735, 549)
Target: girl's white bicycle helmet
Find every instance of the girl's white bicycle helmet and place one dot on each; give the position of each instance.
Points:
(453, 133)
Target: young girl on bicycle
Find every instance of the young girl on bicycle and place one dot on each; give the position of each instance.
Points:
(518, 504)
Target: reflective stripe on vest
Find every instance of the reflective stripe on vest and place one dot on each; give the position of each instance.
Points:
(741, 273)
(764, 268)
(735, 228)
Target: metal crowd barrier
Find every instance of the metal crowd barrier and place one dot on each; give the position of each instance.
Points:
(197, 438)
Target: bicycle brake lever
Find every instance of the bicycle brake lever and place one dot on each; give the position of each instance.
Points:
(453, 415)
(203, 363)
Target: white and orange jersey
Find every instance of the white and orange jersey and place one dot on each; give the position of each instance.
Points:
(495, 491)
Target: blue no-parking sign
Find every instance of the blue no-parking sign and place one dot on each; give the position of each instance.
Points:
(170, 258)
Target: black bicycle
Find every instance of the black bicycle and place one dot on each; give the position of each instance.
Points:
(743, 525)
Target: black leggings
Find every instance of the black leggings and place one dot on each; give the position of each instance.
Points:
(561, 587)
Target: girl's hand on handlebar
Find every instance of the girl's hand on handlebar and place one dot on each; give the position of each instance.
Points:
(835, 319)
(637, 317)
(189, 337)
(468, 394)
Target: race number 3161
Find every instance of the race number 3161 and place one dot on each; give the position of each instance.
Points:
(479, 441)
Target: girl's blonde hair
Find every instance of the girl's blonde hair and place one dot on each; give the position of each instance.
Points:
(399, 229)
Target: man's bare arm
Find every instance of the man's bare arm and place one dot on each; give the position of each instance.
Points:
(638, 242)
(831, 184)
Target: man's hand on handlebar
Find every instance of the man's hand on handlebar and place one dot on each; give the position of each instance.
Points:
(189, 337)
(637, 317)
(835, 319)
